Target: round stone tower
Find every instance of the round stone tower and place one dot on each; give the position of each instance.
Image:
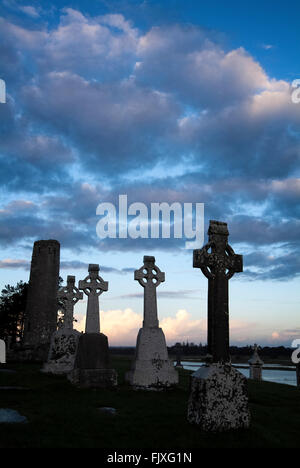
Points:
(41, 307)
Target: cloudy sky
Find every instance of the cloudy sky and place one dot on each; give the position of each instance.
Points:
(164, 101)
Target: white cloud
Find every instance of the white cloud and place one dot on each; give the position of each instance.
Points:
(90, 45)
(267, 46)
(112, 121)
(122, 326)
(24, 39)
(29, 10)
(189, 63)
(182, 327)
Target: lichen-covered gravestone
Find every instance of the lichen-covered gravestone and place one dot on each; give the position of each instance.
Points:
(91, 368)
(152, 369)
(218, 400)
(64, 341)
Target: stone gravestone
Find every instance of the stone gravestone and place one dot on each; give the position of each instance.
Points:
(152, 369)
(255, 365)
(2, 352)
(91, 368)
(218, 400)
(41, 307)
(64, 341)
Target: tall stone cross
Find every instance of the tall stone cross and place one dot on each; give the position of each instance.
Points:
(149, 276)
(218, 263)
(93, 285)
(70, 295)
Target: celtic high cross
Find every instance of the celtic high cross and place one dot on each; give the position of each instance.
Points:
(218, 263)
(69, 295)
(93, 285)
(149, 276)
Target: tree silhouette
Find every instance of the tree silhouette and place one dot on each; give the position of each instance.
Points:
(12, 311)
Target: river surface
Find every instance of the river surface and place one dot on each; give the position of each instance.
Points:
(277, 376)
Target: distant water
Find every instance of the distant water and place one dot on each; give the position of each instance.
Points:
(277, 376)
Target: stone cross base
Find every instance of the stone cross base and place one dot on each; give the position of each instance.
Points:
(94, 378)
(218, 401)
(92, 363)
(152, 369)
(255, 372)
(28, 353)
(62, 353)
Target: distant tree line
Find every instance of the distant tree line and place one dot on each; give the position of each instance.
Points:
(13, 315)
(191, 349)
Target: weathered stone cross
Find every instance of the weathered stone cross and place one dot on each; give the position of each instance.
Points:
(70, 295)
(93, 285)
(149, 276)
(218, 265)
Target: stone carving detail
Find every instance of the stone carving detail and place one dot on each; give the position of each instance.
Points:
(64, 341)
(63, 345)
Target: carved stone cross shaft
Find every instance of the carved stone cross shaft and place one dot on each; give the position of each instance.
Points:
(149, 276)
(70, 295)
(218, 263)
(93, 285)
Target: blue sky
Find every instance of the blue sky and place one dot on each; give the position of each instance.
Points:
(173, 101)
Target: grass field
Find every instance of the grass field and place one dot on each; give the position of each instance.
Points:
(63, 416)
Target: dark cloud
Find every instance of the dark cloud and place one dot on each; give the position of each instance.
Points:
(188, 61)
(264, 231)
(268, 267)
(13, 263)
(98, 108)
(20, 222)
(78, 265)
(117, 126)
(64, 265)
(182, 293)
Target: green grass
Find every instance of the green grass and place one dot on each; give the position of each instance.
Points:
(61, 415)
